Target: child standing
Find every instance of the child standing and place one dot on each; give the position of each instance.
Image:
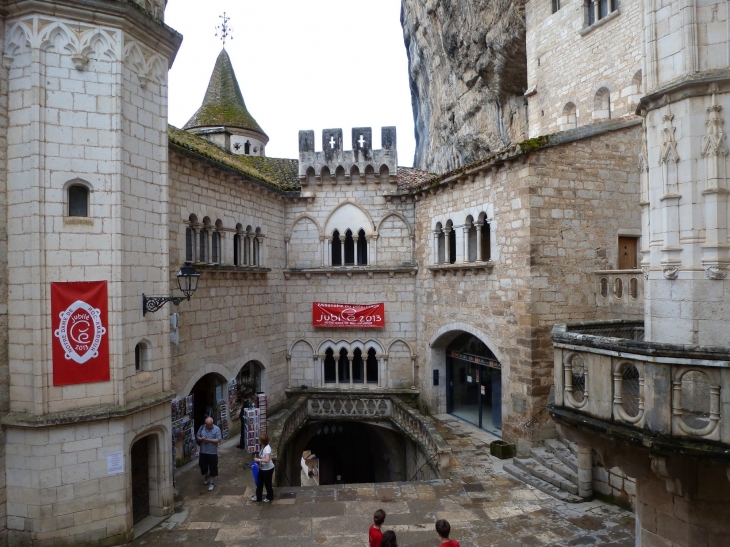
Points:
(443, 529)
(374, 534)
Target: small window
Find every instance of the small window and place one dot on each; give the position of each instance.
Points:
(216, 245)
(236, 245)
(349, 248)
(358, 367)
(330, 370)
(343, 367)
(203, 241)
(591, 9)
(140, 357)
(452, 246)
(556, 5)
(336, 249)
(362, 248)
(486, 243)
(189, 244)
(247, 148)
(371, 369)
(78, 201)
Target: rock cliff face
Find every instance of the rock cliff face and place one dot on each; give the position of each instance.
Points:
(468, 73)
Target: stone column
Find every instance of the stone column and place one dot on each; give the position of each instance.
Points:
(342, 247)
(382, 380)
(373, 260)
(287, 249)
(288, 369)
(209, 246)
(323, 248)
(355, 258)
(447, 245)
(318, 372)
(479, 225)
(465, 235)
(328, 251)
(585, 471)
(436, 235)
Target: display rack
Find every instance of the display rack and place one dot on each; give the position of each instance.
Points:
(184, 446)
(261, 401)
(252, 425)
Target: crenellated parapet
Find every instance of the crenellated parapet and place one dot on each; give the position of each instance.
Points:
(333, 165)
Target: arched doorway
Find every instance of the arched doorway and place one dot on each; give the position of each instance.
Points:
(140, 480)
(249, 378)
(208, 393)
(474, 383)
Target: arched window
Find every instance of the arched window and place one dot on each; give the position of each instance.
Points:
(440, 244)
(358, 367)
(602, 104)
(336, 249)
(247, 148)
(371, 367)
(215, 247)
(471, 239)
(452, 245)
(330, 370)
(247, 246)
(486, 242)
(349, 248)
(311, 175)
(340, 175)
(257, 247)
(569, 120)
(78, 201)
(637, 80)
(343, 367)
(362, 248)
(189, 244)
(325, 174)
(369, 174)
(202, 257)
(140, 357)
(236, 246)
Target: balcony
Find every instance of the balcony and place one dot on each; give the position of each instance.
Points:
(620, 293)
(668, 397)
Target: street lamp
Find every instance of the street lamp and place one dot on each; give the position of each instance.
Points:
(187, 280)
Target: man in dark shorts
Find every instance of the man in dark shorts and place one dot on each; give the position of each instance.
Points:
(209, 437)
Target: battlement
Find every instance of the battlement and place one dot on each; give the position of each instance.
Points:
(337, 166)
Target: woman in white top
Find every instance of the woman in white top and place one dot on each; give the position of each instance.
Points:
(266, 470)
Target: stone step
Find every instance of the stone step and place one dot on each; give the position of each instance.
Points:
(541, 485)
(563, 453)
(572, 446)
(549, 460)
(536, 469)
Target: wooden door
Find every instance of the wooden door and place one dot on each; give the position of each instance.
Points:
(627, 253)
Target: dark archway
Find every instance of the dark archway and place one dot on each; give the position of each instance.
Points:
(207, 394)
(140, 479)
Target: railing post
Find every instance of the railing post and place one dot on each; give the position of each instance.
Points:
(585, 471)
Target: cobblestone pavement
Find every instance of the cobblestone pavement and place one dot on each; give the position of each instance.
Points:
(485, 506)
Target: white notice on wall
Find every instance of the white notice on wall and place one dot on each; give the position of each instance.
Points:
(115, 463)
(218, 393)
(469, 380)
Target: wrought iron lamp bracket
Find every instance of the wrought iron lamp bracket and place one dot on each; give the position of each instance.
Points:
(153, 303)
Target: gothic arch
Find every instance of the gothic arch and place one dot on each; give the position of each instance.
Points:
(397, 340)
(58, 37)
(99, 44)
(209, 368)
(291, 346)
(370, 227)
(18, 39)
(303, 216)
(465, 327)
(400, 216)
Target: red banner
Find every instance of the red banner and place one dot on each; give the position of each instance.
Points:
(363, 316)
(80, 341)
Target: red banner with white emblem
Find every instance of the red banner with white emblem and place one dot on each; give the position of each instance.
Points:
(362, 316)
(80, 324)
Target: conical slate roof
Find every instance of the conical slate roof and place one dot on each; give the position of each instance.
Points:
(223, 104)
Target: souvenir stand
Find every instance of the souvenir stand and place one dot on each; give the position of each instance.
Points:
(184, 446)
(253, 429)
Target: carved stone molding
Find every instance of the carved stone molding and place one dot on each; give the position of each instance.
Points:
(718, 272)
(645, 272)
(659, 467)
(670, 272)
(669, 143)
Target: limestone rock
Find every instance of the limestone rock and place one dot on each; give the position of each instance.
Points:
(468, 74)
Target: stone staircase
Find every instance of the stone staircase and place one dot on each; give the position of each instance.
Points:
(552, 468)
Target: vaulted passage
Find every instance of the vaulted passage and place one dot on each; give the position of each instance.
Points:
(349, 451)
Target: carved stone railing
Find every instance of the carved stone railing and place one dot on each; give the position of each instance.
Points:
(621, 290)
(664, 395)
(362, 408)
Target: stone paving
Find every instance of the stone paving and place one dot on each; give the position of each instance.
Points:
(485, 506)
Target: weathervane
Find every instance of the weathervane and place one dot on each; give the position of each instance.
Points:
(224, 30)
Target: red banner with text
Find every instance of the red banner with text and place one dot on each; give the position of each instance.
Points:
(362, 316)
(80, 324)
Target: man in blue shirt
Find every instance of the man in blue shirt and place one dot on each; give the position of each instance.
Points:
(209, 437)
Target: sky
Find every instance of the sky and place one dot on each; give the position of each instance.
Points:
(301, 64)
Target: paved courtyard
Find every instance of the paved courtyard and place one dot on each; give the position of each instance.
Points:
(485, 506)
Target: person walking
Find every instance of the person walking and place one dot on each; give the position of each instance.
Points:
(209, 437)
(375, 536)
(389, 539)
(266, 470)
(443, 529)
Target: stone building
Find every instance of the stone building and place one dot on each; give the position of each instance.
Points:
(473, 266)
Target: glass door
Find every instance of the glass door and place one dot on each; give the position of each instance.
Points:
(465, 391)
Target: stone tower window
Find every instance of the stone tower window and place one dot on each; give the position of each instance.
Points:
(569, 119)
(372, 367)
(78, 201)
(203, 245)
(556, 5)
(358, 367)
(343, 367)
(485, 244)
(336, 249)
(349, 249)
(602, 104)
(141, 357)
(189, 244)
(247, 148)
(215, 247)
(330, 367)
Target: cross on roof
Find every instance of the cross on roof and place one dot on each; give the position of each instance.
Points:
(361, 142)
(332, 142)
(223, 29)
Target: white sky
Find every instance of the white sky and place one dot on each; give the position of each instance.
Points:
(301, 64)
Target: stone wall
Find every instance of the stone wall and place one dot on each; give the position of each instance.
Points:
(555, 215)
(570, 62)
(236, 314)
(4, 371)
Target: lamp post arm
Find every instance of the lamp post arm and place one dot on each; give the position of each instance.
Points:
(153, 303)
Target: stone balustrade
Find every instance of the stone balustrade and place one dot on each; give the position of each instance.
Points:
(663, 395)
(621, 291)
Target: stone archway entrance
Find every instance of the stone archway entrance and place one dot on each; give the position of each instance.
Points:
(207, 394)
(474, 383)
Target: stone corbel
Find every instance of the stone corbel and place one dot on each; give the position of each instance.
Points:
(717, 272)
(80, 61)
(143, 81)
(645, 272)
(670, 272)
(8, 61)
(659, 467)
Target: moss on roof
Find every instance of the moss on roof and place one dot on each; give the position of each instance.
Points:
(279, 173)
(223, 104)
